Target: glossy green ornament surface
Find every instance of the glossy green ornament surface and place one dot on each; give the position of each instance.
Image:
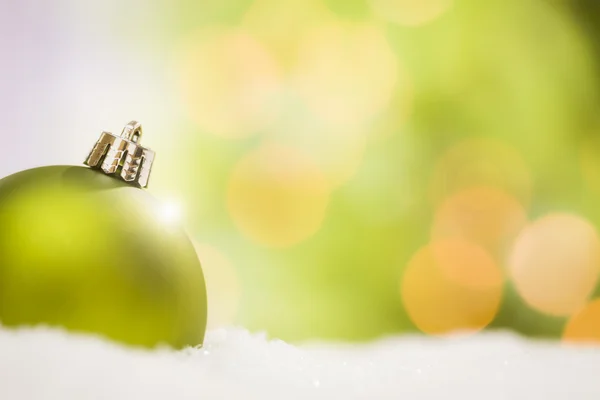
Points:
(82, 250)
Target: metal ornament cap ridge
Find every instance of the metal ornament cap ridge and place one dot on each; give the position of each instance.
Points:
(122, 156)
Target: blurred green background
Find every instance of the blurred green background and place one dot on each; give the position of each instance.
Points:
(351, 169)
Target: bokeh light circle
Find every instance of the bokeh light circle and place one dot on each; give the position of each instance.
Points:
(410, 12)
(229, 82)
(584, 326)
(223, 287)
(277, 196)
(451, 285)
(484, 215)
(481, 162)
(555, 263)
(281, 24)
(346, 74)
(337, 152)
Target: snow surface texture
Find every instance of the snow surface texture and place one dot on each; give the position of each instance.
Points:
(234, 364)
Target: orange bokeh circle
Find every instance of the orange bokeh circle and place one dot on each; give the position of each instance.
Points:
(451, 285)
(584, 326)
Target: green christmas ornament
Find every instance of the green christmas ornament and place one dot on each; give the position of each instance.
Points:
(87, 249)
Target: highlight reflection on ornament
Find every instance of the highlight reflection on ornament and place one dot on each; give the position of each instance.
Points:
(170, 212)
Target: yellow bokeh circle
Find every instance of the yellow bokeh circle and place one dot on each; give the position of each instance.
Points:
(481, 161)
(277, 196)
(229, 82)
(484, 215)
(345, 73)
(410, 12)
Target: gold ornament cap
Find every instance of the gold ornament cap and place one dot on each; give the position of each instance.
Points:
(122, 157)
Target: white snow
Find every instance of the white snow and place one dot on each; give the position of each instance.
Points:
(47, 364)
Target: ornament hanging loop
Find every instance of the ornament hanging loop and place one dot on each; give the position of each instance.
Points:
(123, 157)
(132, 132)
